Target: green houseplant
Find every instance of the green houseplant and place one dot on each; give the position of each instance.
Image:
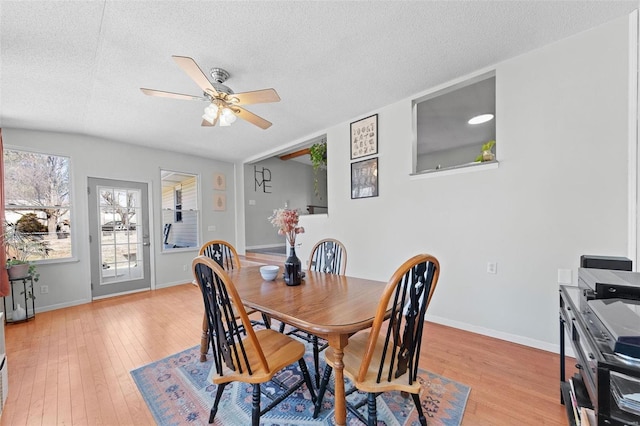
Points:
(486, 154)
(318, 155)
(21, 248)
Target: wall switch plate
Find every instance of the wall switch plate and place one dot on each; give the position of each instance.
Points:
(184, 267)
(211, 228)
(252, 202)
(564, 276)
(492, 268)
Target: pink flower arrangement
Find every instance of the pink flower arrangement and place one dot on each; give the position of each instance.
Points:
(286, 221)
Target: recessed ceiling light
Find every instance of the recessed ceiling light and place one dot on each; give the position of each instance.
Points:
(479, 119)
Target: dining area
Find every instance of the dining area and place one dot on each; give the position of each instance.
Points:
(364, 332)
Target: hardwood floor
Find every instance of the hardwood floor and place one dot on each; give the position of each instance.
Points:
(71, 366)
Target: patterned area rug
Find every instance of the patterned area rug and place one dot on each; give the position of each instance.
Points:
(178, 391)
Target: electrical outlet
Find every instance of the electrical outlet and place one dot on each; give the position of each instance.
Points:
(184, 267)
(44, 289)
(252, 202)
(492, 268)
(211, 228)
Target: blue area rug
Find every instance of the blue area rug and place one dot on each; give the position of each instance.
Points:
(178, 391)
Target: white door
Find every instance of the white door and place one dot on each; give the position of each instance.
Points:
(119, 237)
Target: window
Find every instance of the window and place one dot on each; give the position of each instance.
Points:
(445, 139)
(179, 210)
(38, 201)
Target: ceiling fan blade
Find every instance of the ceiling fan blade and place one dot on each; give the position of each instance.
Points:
(251, 117)
(160, 93)
(192, 69)
(256, 97)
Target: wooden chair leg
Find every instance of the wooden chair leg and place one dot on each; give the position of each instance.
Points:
(372, 420)
(316, 359)
(416, 400)
(307, 378)
(255, 405)
(204, 340)
(214, 409)
(323, 387)
(267, 320)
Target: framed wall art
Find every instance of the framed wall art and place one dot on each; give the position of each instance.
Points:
(219, 182)
(364, 178)
(364, 137)
(219, 202)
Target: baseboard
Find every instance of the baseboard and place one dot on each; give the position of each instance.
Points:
(172, 284)
(513, 338)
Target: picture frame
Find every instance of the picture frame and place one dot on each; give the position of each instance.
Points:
(219, 182)
(219, 202)
(364, 178)
(364, 137)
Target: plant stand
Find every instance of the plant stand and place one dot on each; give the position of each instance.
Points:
(27, 285)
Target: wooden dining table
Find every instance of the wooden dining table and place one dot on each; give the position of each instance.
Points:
(330, 306)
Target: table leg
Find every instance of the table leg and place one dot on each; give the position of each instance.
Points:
(338, 343)
(204, 340)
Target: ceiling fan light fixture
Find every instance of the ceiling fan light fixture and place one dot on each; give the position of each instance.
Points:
(223, 121)
(228, 115)
(208, 118)
(482, 118)
(210, 113)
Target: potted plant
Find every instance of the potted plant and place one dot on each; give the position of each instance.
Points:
(318, 155)
(486, 154)
(21, 248)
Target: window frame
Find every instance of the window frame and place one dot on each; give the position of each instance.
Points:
(72, 237)
(166, 200)
(443, 90)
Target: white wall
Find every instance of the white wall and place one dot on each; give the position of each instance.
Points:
(69, 282)
(292, 183)
(560, 191)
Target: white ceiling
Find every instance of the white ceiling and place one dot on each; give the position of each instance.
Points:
(77, 66)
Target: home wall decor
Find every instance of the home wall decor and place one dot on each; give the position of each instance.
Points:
(262, 178)
(364, 137)
(219, 182)
(219, 202)
(364, 178)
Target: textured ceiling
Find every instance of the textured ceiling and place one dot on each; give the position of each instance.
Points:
(77, 66)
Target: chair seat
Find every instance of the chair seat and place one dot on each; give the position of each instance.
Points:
(279, 350)
(353, 356)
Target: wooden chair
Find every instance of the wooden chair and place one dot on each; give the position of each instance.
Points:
(380, 363)
(252, 358)
(328, 256)
(227, 257)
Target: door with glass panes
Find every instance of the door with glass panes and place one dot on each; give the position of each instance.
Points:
(119, 237)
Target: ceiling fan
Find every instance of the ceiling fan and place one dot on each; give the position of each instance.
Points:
(224, 105)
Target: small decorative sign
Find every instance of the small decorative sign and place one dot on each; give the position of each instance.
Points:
(219, 182)
(219, 202)
(364, 178)
(364, 137)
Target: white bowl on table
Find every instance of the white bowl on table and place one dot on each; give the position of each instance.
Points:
(269, 272)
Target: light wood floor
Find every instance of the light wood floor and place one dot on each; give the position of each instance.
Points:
(71, 366)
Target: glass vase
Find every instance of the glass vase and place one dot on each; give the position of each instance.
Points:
(292, 268)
